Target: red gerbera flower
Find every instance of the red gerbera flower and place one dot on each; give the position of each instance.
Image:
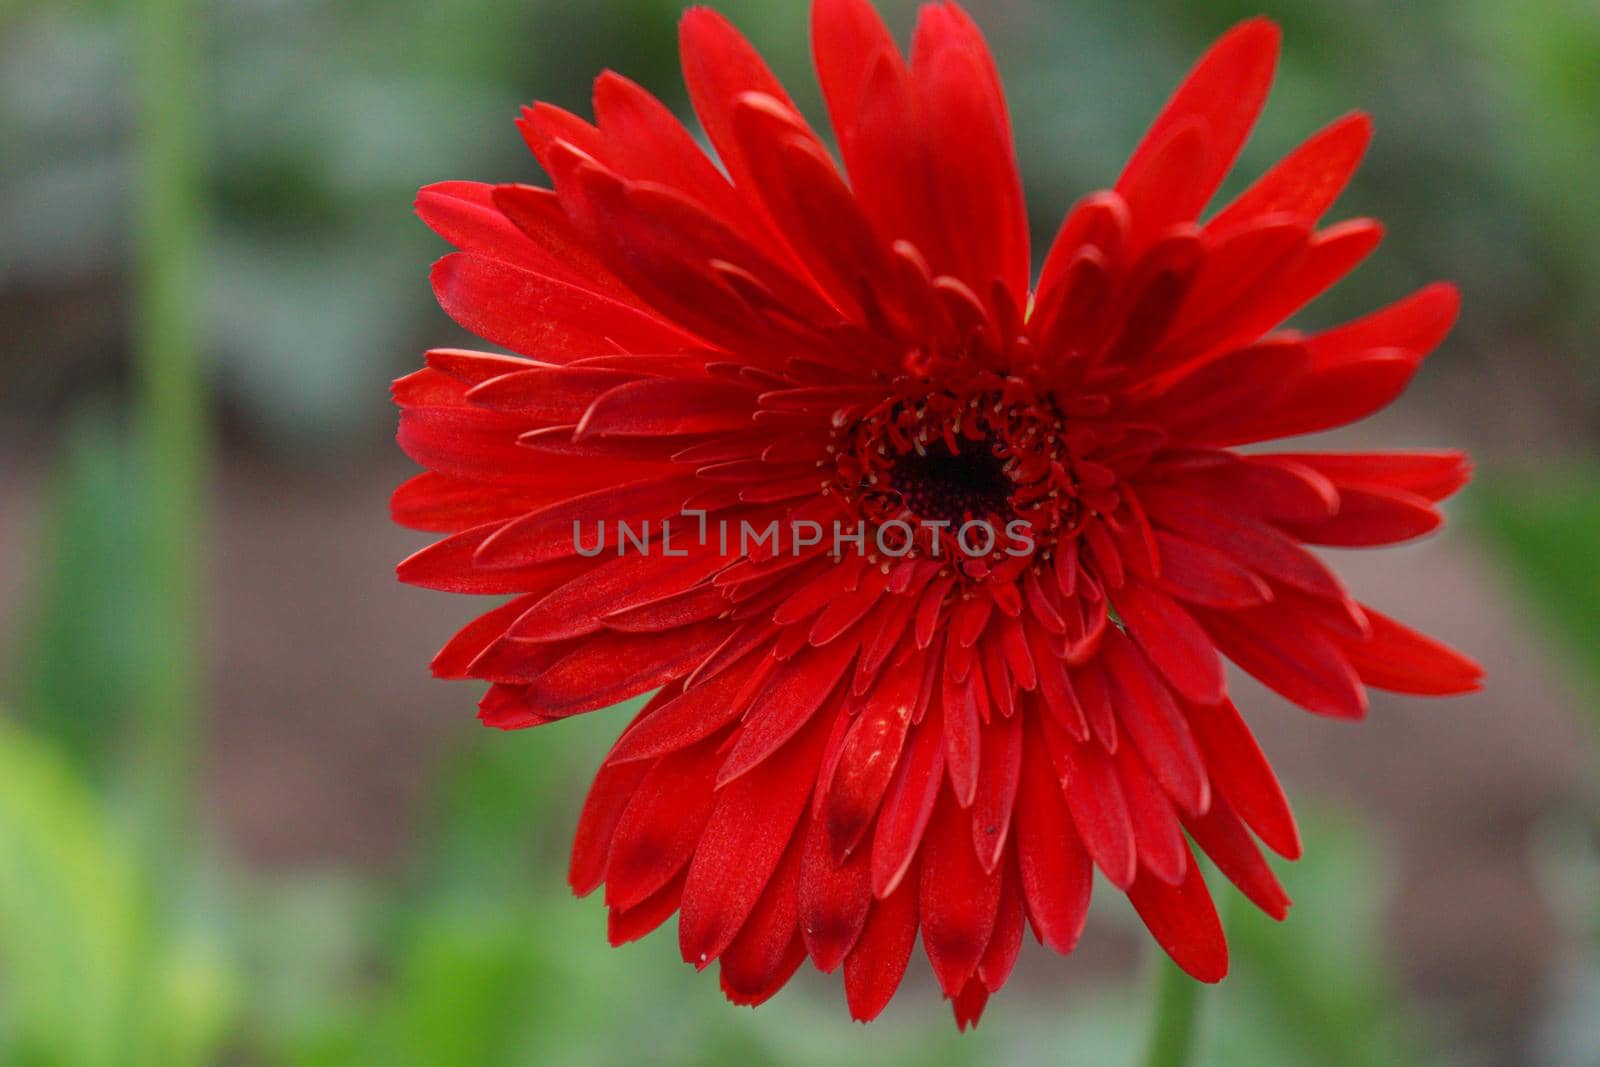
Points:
(917, 728)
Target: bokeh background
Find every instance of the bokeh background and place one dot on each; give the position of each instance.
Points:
(282, 843)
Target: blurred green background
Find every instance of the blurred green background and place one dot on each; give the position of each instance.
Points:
(239, 824)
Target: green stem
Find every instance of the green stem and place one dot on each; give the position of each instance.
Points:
(171, 413)
(1174, 1022)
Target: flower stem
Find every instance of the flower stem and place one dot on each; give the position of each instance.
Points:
(1174, 1021)
(170, 419)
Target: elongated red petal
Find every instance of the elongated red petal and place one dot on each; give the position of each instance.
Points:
(1150, 717)
(958, 899)
(906, 809)
(1220, 98)
(873, 970)
(1305, 666)
(1175, 643)
(661, 826)
(1184, 923)
(1224, 838)
(997, 789)
(544, 317)
(1397, 658)
(834, 898)
(750, 827)
(1307, 181)
(1057, 875)
(768, 948)
(1240, 772)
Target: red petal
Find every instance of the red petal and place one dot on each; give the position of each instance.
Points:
(1094, 692)
(834, 898)
(631, 925)
(608, 798)
(661, 826)
(1174, 642)
(1307, 181)
(1157, 836)
(620, 583)
(609, 667)
(465, 214)
(768, 949)
(665, 406)
(1225, 839)
(456, 656)
(448, 566)
(647, 142)
(1057, 877)
(542, 316)
(1254, 544)
(1150, 717)
(1430, 475)
(1268, 488)
(1202, 575)
(969, 135)
(553, 532)
(688, 717)
(868, 758)
(961, 734)
(1415, 324)
(1371, 517)
(1397, 658)
(1236, 265)
(905, 811)
(750, 828)
(997, 789)
(968, 1005)
(1300, 663)
(873, 970)
(556, 394)
(958, 899)
(811, 204)
(1241, 772)
(439, 503)
(1223, 94)
(1184, 923)
(719, 66)
(1099, 810)
(539, 215)
(1201, 403)
(791, 698)
(1329, 256)
(1056, 691)
(1327, 397)
(1006, 941)
(1091, 240)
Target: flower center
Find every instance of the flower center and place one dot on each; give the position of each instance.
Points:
(930, 461)
(953, 486)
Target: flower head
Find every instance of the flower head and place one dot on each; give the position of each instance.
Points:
(929, 569)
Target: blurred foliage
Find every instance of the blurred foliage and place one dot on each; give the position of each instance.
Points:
(1319, 980)
(74, 663)
(95, 975)
(1547, 528)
